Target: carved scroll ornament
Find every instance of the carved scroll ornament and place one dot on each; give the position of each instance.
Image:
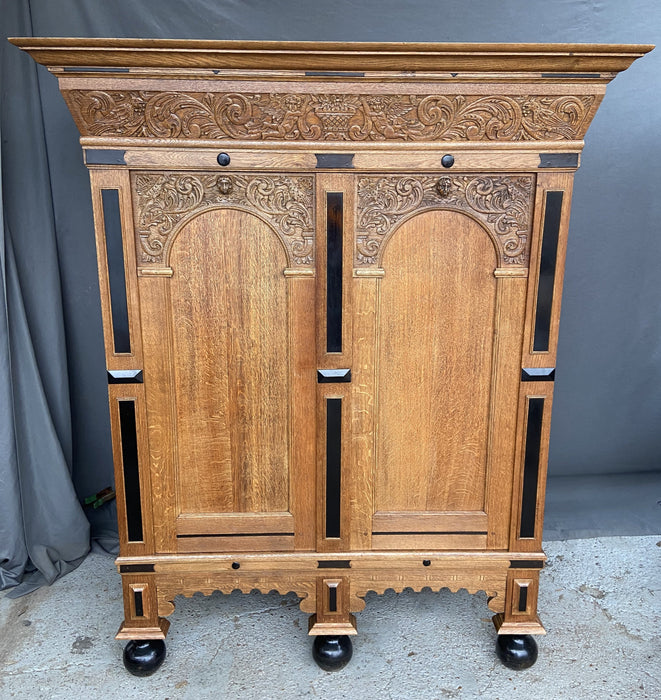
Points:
(503, 204)
(164, 202)
(329, 117)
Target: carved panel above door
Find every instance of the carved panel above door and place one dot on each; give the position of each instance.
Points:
(502, 204)
(163, 202)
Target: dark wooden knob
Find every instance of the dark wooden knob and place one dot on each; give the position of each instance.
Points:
(447, 161)
(223, 159)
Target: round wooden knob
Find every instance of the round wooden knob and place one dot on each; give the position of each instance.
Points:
(223, 159)
(447, 161)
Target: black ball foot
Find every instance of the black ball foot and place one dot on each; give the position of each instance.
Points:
(516, 651)
(332, 653)
(144, 656)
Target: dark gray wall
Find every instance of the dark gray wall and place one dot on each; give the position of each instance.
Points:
(608, 405)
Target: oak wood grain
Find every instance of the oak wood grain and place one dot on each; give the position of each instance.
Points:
(170, 53)
(226, 282)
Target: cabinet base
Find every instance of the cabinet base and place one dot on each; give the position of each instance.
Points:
(159, 631)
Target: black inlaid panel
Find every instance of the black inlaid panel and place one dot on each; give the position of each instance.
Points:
(538, 374)
(135, 568)
(116, 278)
(333, 466)
(523, 598)
(526, 564)
(131, 472)
(332, 599)
(333, 376)
(334, 160)
(558, 160)
(334, 222)
(334, 564)
(550, 235)
(531, 467)
(125, 376)
(139, 609)
(103, 156)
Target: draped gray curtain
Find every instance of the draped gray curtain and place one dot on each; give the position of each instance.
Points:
(53, 401)
(43, 531)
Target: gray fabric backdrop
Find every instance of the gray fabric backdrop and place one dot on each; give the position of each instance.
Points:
(53, 407)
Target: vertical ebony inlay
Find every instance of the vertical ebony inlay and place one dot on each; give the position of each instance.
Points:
(112, 224)
(531, 467)
(131, 472)
(547, 264)
(523, 598)
(333, 465)
(332, 599)
(334, 222)
(137, 599)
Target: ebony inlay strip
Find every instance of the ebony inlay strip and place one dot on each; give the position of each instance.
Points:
(334, 564)
(332, 599)
(547, 265)
(333, 73)
(334, 222)
(129, 439)
(112, 224)
(94, 69)
(104, 156)
(334, 160)
(333, 466)
(137, 599)
(558, 160)
(523, 598)
(538, 374)
(125, 376)
(531, 467)
(526, 564)
(136, 568)
(333, 376)
(571, 75)
(238, 534)
(434, 532)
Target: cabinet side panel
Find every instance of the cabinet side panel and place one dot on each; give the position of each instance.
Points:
(437, 309)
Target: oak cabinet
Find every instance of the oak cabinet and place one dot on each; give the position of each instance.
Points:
(331, 278)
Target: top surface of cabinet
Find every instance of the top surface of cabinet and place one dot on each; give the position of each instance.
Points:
(391, 56)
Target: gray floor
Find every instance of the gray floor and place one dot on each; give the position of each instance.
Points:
(604, 505)
(600, 601)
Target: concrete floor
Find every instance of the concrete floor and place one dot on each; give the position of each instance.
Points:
(600, 601)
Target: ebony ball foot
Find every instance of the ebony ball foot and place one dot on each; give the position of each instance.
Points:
(516, 651)
(332, 653)
(144, 656)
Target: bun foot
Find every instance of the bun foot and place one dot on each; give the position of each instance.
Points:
(516, 651)
(144, 656)
(332, 653)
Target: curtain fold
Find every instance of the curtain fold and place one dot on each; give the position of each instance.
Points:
(43, 530)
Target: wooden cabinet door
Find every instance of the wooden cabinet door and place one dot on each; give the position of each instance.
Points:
(228, 328)
(444, 311)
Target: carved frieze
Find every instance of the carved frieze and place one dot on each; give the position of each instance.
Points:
(165, 201)
(329, 117)
(502, 203)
